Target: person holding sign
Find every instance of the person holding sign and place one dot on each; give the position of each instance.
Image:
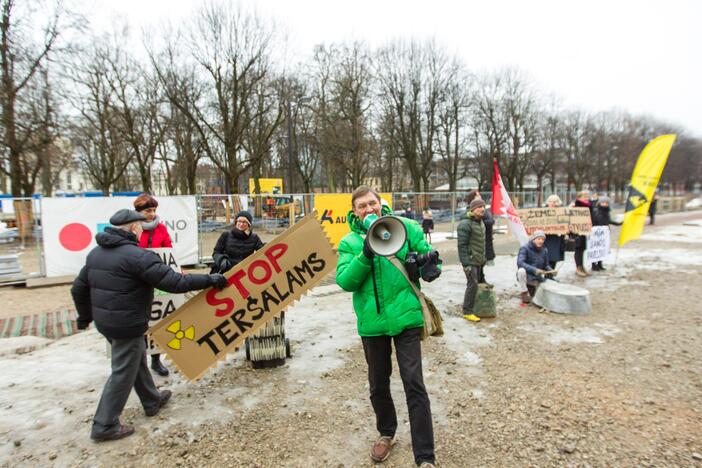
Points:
(555, 243)
(582, 199)
(115, 289)
(388, 311)
(155, 235)
(533, 266)
(601, 217)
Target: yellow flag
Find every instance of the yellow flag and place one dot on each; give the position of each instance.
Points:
(643, 184)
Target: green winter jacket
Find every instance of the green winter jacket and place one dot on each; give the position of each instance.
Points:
(471, 241)
(397, 307)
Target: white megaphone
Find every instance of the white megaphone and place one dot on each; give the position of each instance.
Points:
(386, 235)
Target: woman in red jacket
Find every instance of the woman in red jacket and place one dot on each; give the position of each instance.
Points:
(155, 235)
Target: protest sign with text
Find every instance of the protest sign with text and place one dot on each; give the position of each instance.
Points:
(598, 244)
(558, 221)
(216, 321)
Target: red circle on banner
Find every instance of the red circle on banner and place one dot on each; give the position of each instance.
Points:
(75, 237)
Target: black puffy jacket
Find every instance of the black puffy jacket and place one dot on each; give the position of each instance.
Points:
(601, 216)
(233, 247)
(115, 288)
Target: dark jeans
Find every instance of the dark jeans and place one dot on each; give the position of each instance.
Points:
(579, 257)
(129, 370)
(408, 350)
(474, 275)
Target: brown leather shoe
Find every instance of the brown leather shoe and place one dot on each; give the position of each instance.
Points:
(580, 271)
(525, 297)
(120, 433)
(380, 451)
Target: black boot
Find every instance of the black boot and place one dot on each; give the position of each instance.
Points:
(157, 367)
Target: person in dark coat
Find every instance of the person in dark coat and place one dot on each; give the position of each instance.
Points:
(115, 289)
(489, 223)
(427, 223)
(234, 246)
(582, 200)
(555, 243)
(653, 207)
(533, 266)
(601, 216)
(155, 235)
(471, 253)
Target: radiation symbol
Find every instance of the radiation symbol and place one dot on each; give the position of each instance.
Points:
(188, 334)
(634, 200)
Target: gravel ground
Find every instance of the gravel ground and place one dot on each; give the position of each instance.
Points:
(621, 386)
(627, 393)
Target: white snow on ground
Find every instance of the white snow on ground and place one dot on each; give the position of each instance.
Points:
(690, 232)
(38, 387)
(438, 237)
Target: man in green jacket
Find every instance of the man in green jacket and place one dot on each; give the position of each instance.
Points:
(471, 252)
(387, 311)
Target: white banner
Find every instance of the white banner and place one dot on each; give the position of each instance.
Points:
(69, 227)
(164, 303)
(598, 244)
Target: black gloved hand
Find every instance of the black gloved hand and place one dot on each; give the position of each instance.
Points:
(367, 252)
(82, 325)
(224, 264)
(218, 280)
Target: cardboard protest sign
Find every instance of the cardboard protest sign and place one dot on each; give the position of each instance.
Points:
(558, 221)
(215, 322)
(164, 303)
(598, 244)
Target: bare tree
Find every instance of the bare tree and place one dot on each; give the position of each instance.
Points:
(98, 132)
(139, 105)
(412, 82)
(453, 125)
(232, 49)
(264, 113)
(21, 58)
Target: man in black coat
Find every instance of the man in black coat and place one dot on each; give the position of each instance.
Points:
(115, 289)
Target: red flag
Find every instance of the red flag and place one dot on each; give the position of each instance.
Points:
(502, 206)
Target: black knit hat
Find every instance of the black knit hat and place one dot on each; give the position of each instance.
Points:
(244, 214)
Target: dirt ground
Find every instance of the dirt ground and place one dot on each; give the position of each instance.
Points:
(621, 386)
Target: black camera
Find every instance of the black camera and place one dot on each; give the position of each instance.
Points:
(425, 266)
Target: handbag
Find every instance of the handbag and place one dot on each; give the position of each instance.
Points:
(433, 323)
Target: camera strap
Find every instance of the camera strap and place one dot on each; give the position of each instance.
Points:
(430, 325)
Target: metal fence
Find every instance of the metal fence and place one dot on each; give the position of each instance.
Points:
(22, 256)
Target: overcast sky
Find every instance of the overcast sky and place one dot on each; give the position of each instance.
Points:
(641, 56)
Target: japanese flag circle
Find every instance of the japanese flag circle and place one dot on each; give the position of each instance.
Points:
(75, 237)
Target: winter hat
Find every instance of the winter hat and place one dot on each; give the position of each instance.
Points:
(145, 201)
(244, 214)
(603, 199)
(537, 234)
(476, 203)
(125, 216)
